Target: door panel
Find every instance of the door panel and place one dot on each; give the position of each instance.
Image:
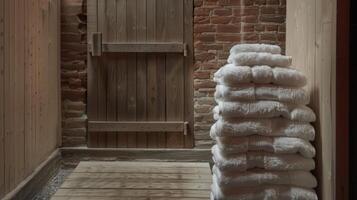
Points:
(141, 76)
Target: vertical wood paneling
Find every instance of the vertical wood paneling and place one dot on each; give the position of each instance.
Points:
(174, 72)
(110, 34)
(2, 96)
(92, 104)
(29, 84)
(152, 68)
(188, 74)
(131, 31)
(141, 110)
(161, 35)
(122, 78)
(311, 40)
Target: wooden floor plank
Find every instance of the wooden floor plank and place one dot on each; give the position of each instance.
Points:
(132, 193)
(137, 180)
(202, 177)
(122, 198)
(147, 164)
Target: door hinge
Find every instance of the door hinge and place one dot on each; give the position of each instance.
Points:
(96, 44)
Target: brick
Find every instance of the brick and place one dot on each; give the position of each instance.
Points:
(201, 74)
(204, 56)
(250, 19)
(198, 3)
(201, 20)
(204, 28)
(204, 84)
(207, 47)
(221, 19)
(271, 27)
(230, 2)
(272, 18)
(268, 36)
(268, 10)
(202, 11)
(228, 28)
(228, 37)
(205, 37)
(273, 2)
(253, 37)
(248, 28)
(222, 12)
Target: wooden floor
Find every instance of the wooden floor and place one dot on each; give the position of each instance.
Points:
(137, 180)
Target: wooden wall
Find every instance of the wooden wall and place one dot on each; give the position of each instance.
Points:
(29, 87)
(311, 40)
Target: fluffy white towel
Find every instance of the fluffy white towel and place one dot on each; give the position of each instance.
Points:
(263, 109)
(233, 76)
(261, 160)
(268, 48)
(279, 145)
(273, 192)
(261, 177)
(253, 58)
(264, 127)
(253, 92)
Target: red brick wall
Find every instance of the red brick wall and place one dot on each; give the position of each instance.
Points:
(73, 72)
(218, 24)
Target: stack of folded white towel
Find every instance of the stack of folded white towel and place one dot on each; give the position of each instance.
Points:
(263, 133)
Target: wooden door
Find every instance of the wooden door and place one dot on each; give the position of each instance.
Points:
(140, 73)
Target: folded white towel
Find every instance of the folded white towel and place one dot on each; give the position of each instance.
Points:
(263, 109)
(252, 92)
(264, 127)
(261, 160)
(261, 177)
(234, 76)
(272, 192)
(268, 48)
(278, 145)
(254, 58)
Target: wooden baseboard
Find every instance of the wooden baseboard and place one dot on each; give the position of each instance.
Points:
(39, 177)
(197, 155)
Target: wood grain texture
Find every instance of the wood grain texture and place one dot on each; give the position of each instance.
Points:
(311, 40)
(153, 78)
(29, 87)
(137, 180)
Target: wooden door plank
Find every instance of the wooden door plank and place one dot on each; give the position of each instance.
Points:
(188, 73)
(174, 72)
(131, 21)
(141, 103)
(92, 99)
(122, 76)
(102, 72)
(110, 63)
(161, 35)
(131, 193)
(152, 89)
(2, 95)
